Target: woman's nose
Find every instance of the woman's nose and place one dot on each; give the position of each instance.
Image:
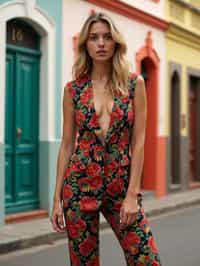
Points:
(101, 41)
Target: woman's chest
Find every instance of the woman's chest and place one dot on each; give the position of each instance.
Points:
(94, 108)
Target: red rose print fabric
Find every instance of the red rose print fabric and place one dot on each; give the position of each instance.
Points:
(96, 180)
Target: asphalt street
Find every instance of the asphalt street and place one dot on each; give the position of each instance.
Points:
(177, 236)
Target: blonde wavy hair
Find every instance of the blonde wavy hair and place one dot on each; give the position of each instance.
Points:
(118, 80)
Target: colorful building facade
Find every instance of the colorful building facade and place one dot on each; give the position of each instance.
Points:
(183, 95)
(37, 54)
(143, 27)
(30, 88)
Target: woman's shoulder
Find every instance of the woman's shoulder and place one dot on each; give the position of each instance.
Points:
(133, 75)
(135, 78)
(132, 79)
(74, 86)
(77, 82)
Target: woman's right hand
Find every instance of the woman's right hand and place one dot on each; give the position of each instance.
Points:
(57, 219)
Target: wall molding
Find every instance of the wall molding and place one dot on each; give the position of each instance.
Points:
(152, 178)
(44, 25)
(174, 67)
(147, 50)
(131, 12)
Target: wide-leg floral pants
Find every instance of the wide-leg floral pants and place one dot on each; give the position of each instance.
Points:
(136, 239)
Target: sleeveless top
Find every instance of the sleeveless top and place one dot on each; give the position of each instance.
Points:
(96, 162)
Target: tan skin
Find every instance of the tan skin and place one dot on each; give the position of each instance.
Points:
(100, 39)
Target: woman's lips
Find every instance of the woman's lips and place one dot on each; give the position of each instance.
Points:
(101, 52)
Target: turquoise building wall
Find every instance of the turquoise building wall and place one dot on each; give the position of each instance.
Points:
(47, 149)
(54, 10)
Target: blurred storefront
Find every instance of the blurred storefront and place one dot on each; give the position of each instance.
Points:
(183, 94)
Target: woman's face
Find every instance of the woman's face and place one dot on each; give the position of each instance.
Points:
(100, 44)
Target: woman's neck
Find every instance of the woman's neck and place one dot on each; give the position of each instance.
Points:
(100, 71)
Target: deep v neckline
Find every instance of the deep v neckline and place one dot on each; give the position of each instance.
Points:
(104, 137)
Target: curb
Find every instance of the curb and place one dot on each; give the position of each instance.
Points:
(20, 244)
(152, 207)
(170, 209)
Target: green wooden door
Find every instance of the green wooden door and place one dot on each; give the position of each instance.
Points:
(21, 129)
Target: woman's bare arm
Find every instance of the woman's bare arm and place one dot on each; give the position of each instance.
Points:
(138, 137)
(67, 140)
(129, 208)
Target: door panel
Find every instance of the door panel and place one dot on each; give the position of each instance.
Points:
(175, 179)
(24, 169)
(192, 133)
(9, 129)
(27, 122)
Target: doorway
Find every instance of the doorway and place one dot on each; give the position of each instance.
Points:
(149, 73)
(175, 180)
(22, 117)
(194, 130)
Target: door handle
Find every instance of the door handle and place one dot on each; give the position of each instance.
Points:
(18, 132)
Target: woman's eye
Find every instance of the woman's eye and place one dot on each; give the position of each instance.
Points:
(108, 37)
(93, 37)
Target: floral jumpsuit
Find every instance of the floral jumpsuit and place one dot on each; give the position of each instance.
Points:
(96, 180)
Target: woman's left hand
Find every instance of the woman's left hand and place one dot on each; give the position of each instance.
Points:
(128, 211)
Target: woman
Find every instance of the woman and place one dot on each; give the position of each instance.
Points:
(101, 172)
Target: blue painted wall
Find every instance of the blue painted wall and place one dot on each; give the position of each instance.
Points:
(54, 10)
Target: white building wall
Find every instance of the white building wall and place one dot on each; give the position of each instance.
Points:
(149, 6)
(75, 13)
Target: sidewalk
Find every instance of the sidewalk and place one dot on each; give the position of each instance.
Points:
(31, 233)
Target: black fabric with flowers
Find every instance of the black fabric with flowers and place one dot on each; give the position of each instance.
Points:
(96, 180)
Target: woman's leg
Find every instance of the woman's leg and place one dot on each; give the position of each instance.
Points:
(83, 237)
(136, 239)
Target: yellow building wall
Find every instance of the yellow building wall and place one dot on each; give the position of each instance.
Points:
(183, 48)
(186, 57)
